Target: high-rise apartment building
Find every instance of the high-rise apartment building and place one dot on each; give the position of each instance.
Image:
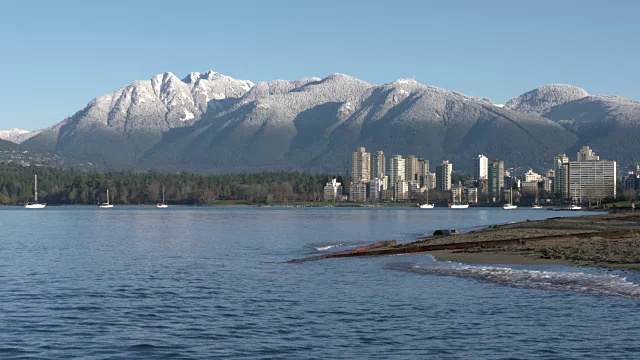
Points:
(396, 169)
(411, 168)
(378, 165)
(481, 168)
(549, 181)
(361, 165)
(401, 190)
(423, 171)
(592, 180)
(495, 179)
(443, 176)
(430, 182)
(586, 154)
(561, 179)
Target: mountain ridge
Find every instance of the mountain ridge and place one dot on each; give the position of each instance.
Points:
(212, 122)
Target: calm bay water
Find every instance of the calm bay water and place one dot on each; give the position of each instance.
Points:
(139, 282)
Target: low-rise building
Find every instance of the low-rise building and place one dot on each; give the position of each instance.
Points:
(414, 189)
(376, 186)
(358, 191)
(333, 191)
(530, 188)
(469, 195)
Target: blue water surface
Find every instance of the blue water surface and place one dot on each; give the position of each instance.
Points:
(186, 282)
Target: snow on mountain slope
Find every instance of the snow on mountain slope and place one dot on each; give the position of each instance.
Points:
(316, 124)
(610, 124)
(121, 126)
(542, 99)
(16, 135)
(211, 122)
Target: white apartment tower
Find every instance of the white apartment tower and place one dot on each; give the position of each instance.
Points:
(481, 167)
(396, 169)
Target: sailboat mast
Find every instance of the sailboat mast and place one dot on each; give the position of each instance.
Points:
(107, 196)
(36, 189)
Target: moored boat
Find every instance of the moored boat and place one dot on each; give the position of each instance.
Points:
(162, 205)
(35, 204)
(106, 205)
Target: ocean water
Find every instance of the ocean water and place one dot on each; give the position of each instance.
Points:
(201, 283)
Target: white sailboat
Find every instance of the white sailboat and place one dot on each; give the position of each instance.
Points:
(106, 205)
(35, 204)
(510, 205)
(426, 205)
(162, 205)
(459, 204)
(574, 206)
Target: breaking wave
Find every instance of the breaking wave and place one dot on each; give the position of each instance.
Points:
(325, 248)
(531, 279)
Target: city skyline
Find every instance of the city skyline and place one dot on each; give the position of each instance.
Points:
(588, 178)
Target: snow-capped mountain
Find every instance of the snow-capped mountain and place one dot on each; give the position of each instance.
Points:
(211, 122)
(316, 124)
(610, 124)
(118, 128)
(542, 99)
(16, 135)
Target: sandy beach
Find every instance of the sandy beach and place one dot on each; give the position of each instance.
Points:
(605, 240)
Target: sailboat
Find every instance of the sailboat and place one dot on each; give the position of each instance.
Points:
(162, 205)
(536, 204)
(426, 205)
(35, 204)
(574, 206)
(106, 205)
(459, 204)
(510, 205)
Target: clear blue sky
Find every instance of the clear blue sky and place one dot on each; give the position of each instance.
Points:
(58, 55)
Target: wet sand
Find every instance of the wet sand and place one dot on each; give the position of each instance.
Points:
(606, 240)
(611, 240)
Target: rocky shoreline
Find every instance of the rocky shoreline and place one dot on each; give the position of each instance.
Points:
(607, 240)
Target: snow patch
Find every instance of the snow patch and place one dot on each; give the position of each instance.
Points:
(188, 115)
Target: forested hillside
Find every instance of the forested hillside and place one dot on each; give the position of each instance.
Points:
(69, 186)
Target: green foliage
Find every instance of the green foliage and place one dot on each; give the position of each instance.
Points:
(72, 186)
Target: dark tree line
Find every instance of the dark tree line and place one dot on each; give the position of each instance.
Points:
(71, 186)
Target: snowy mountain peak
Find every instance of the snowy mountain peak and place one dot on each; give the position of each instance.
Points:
(405, 81)
(192, 77)
(542, 99)
(210, 75)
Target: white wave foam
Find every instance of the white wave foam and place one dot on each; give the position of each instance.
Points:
(325, 248)
(544, 280)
